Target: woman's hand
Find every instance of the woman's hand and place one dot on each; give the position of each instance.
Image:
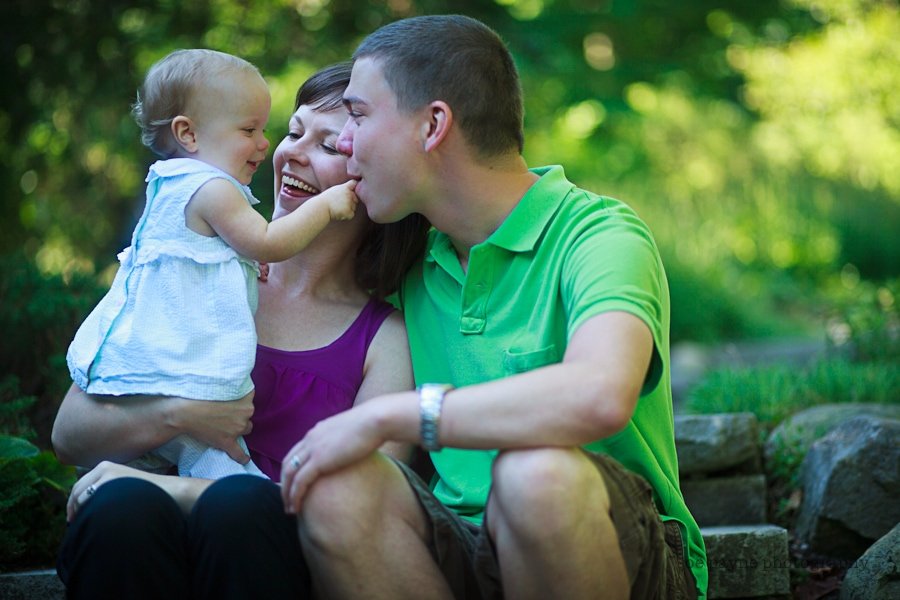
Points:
(185, 490)
(217, 424)
(85, 487)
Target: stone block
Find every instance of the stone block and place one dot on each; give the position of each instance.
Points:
(31, 585)
(747, 561)
(715, 443)
(798, 432)
(737, 500)
(851, 482)
(876, 575)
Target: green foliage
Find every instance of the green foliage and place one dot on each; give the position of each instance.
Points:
(783, 478)
(40, 315)
(32, 507)
(704, 310)
(820, 94)
(35, 487)
(775, 392)
(13, 407)
(865, 317)
(733, 127)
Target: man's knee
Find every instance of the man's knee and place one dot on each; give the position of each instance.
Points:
(545, 485)
(339, 506)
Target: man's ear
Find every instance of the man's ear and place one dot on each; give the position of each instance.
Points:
(439, 121)
(184, 133)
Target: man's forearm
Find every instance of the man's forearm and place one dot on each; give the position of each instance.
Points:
(590, 395)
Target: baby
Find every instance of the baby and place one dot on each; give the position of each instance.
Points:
(178, 319)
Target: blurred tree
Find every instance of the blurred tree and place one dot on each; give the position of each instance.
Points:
(739, 123)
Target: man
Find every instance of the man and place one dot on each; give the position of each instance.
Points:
(538, 325)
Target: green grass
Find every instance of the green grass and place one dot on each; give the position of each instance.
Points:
(773, 393)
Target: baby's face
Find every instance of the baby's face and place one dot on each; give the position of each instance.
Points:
(230, 126)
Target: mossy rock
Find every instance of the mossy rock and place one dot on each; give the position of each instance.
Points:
(798, 432)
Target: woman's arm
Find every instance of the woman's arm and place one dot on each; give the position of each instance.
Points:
(185, 490)
(388, 368)
(89, 429)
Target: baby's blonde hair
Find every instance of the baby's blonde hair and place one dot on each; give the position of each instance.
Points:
(170, 85)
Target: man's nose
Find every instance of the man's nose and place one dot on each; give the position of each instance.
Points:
(345, 140)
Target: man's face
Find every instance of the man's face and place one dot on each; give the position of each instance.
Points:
(383, 145)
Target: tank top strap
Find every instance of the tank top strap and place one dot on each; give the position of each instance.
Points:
(342, 362)
(374, 314)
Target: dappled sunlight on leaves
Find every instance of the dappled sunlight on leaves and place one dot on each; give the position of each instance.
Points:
(831, 97)
(757, 139)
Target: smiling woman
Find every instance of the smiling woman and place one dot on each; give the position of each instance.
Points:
(310, 145)
(326, 342)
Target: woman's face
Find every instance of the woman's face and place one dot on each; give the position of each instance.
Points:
(307, 161)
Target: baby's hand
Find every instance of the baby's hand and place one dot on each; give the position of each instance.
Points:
(341, 201)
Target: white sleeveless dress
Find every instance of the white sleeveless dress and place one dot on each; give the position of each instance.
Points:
(178, 319)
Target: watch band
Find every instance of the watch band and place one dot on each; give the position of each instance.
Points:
(431, 401)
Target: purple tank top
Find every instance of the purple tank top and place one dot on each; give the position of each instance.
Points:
(297, 389)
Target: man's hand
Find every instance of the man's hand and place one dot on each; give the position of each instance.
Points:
(332, 444)
(217, 424)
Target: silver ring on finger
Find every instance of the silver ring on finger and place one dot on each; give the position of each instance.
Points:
(295, 462)
(90, 490)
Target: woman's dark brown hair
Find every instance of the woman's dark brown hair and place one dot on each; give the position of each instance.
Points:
(386, 251)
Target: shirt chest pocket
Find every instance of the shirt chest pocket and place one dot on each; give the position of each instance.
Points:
(520, 361)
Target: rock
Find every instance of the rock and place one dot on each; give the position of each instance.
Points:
(31, 585)
(738, 500)
(747, 561)
(851, 483)
(798, 432)
(711, 443)
(876, 575)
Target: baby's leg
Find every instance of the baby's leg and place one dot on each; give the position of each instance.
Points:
(197, 459)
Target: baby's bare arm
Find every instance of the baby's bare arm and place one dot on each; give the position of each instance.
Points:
(341, 201)
(220, 205)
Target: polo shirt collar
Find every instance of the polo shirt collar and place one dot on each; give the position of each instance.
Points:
(522, 228)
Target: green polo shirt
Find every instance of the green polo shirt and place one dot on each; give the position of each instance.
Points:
(562, 256)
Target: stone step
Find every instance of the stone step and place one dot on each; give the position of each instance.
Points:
(736, 500)
(718, 443)
(31, 585)
(747, 561)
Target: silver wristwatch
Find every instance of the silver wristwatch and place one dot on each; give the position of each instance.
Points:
(431, 400)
